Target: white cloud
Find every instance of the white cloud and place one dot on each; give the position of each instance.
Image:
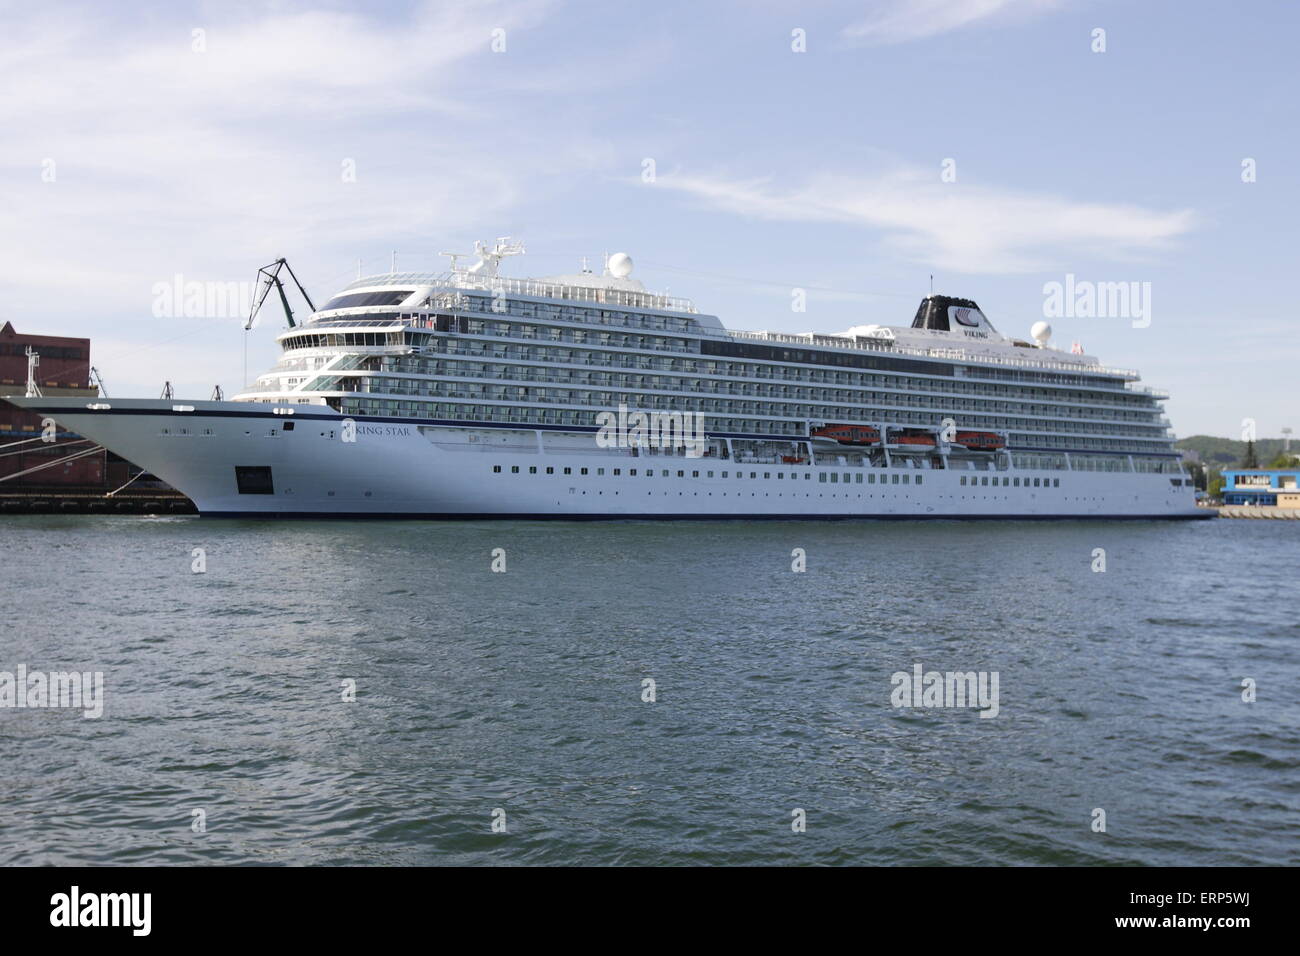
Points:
(167, 159)
(952, 226)
(210, 164)
(898, 21)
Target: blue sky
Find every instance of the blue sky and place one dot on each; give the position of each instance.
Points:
(773, 169)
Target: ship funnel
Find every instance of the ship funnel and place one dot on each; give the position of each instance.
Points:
(945, 313)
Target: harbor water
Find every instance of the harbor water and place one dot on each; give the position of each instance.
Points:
(651, 692)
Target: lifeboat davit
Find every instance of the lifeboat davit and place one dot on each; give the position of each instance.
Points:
(848, 434)
(980, 441)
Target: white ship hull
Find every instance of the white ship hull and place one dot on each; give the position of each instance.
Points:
(410, 468)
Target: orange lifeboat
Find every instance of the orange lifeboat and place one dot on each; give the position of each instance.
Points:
(980, 441)
(848, 434)
(911, 438)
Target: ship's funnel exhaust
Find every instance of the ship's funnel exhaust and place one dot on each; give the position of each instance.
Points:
(945, 313)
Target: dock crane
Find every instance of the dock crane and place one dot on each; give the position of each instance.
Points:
(267, 276)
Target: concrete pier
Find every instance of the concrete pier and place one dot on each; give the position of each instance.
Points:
(1255, 511)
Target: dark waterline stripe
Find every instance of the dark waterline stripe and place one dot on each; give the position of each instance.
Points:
(530, 516)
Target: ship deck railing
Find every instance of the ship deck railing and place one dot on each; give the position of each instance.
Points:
(459, 283)
(959, 355)
(579, 293)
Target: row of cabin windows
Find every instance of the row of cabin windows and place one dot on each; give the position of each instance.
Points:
(527, 307)
(721, 365)
(734, 350)
(461, 411)
(1136, 407)
(1012, 482)
(991, 412)
(461, 356)
(823, 477)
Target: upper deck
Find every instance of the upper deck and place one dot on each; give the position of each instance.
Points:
(553, 289)
(455, 293)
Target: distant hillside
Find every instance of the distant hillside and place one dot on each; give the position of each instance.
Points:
(1225, 452)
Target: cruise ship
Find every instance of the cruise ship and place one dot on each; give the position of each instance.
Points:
(468, 393)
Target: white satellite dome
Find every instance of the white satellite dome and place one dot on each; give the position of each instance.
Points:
(1040, 332)
(620, 264)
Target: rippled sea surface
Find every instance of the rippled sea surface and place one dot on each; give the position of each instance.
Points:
(479, 692)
